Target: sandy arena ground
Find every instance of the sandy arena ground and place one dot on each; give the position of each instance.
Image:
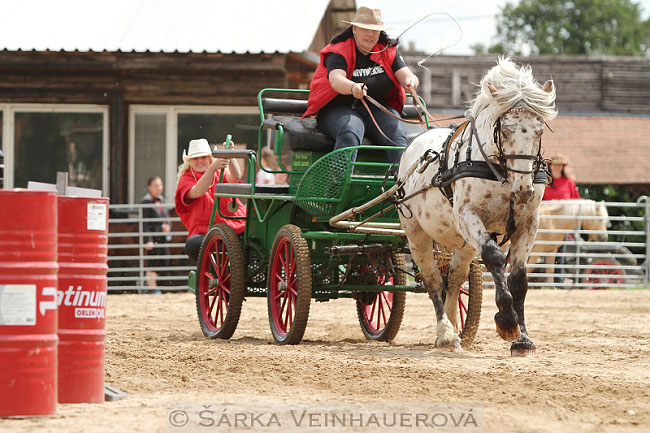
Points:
(591, 372)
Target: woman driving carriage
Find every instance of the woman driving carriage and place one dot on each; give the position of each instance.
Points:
(197, 178)
(361, 61)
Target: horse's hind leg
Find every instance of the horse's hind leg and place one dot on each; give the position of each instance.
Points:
(473, 230)
(421, 247)
(458, 270)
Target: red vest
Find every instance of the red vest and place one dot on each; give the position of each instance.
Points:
(320, 89)
(563, 189)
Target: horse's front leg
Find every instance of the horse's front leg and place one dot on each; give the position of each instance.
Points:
(421, 247)
(471, 227)
(518, 285)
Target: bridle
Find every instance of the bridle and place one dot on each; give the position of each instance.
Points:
(503, 158)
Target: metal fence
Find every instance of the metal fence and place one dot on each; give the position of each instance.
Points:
(619, 262)
(128, 259)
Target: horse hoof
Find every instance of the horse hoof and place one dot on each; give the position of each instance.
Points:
(512, 334)
(522, 350)
(451, 346)
(507, 327)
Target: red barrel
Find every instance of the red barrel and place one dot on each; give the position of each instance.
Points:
(82, 247)
(28, 299)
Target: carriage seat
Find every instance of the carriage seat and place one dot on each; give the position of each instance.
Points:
(304, 134)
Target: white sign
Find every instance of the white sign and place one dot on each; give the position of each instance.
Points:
(18, 304)
(96, 216)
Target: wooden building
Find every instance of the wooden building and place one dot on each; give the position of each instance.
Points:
(603, 125)
(113, 111)
(114, 117)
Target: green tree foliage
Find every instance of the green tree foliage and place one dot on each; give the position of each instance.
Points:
(596, 27)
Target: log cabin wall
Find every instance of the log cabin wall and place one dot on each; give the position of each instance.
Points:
(583, 84)
(119, 79)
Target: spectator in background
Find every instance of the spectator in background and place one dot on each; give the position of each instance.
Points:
(267, 160)
(562, 186)
(197, 178)
(159, 228)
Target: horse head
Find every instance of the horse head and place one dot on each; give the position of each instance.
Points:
(514, 108)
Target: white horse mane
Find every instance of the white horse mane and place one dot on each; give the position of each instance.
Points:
(515, 85)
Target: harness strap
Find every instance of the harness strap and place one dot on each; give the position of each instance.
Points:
(485, 157)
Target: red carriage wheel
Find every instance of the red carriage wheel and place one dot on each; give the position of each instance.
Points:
(380, 313)
(220, 287)
(601, 278)
(289, 286)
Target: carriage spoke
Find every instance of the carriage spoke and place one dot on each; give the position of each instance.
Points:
(463, 312)
(282, 302)
(388, 303)
(214, 264)
(383, 315)
(285, 314)
(216, 300)
(372, 309)
(290, 311)
(211, 304)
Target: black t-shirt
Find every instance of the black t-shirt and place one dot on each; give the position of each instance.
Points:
(365, 71)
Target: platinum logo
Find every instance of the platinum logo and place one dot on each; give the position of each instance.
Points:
(77, 297)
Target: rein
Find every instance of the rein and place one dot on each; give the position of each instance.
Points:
(419, 108)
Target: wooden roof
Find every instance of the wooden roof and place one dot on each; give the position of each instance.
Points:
(603, 149)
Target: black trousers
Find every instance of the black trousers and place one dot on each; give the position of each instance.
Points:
(192, 247)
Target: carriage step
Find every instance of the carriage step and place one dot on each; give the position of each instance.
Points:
(191, 282)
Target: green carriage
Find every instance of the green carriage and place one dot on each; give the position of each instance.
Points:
(293, 250)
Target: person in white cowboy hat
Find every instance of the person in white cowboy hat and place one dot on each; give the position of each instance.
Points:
(361, 60)
(194, 198)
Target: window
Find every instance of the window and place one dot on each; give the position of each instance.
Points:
(46, 139)
(149, 152)
(158, 136)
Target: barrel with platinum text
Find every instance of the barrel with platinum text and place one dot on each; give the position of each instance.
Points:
(28, 313)
(82, 248)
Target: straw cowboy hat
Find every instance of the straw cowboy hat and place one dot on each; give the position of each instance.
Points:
(197, 148)
(559, 159)
(367, 18)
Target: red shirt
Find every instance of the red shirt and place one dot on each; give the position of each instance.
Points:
(320, 89)
(562, 188)
(195, 213)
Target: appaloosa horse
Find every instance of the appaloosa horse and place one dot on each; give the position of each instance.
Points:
(475, 183)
